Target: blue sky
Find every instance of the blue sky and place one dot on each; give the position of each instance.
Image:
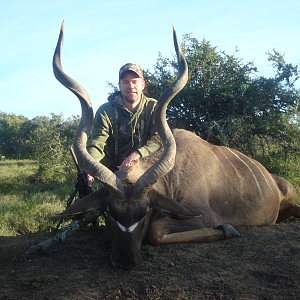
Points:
(101, 36)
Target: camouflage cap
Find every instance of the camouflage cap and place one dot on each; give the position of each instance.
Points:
(131, 67)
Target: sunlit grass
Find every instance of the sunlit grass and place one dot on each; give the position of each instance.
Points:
(21, 214)
(26, 207)
(17, 168)
(16, 173)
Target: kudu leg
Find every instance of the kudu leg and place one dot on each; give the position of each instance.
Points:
(293, 211)
(204, 235)
(159, 235)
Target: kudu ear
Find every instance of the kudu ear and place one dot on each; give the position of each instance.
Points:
(169, 207)
(85, 205)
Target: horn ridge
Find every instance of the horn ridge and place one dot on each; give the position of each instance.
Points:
(167, 160)
(85, 161)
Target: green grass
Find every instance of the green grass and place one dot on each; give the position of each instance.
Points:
(21, 214)
(15, 174)
(26, 207)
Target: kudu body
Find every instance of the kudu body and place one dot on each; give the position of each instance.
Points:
(189, 191)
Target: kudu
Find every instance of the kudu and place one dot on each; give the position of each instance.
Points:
(189, 191)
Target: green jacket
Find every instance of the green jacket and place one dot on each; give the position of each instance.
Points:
(113, 140)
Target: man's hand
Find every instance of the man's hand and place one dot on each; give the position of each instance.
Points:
(128, 162)
(89, 180)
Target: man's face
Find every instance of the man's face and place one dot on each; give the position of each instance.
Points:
(131, 87)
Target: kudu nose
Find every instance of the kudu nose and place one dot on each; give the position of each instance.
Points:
(125, 262)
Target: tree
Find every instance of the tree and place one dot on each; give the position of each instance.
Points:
(224, 101)
(11, 134)
(49, 143)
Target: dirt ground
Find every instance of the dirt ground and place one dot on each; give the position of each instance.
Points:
(264, 263)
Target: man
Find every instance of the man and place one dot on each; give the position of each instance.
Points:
(123, 128)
